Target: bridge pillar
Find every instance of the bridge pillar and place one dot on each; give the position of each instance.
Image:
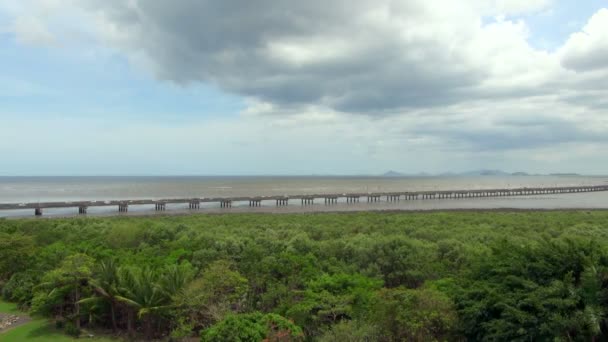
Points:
(194, 204)
(160, 206)
(82, 210)
(38, 211)
(123, 207)
(308, 201)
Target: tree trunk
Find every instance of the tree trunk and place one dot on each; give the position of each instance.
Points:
(130, 323)
(77, 307)
(113, 316)
(148, 327)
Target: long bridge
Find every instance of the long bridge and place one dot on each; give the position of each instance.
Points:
(308, 199)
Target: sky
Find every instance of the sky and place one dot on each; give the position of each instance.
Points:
(242, 87)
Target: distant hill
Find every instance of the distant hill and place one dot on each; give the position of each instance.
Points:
(485, 173)
(482, 172)
(392, 173)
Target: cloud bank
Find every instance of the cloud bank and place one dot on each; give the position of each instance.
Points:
(457, 76)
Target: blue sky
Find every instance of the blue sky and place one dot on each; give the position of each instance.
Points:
(549, 30)
(46, 82)
(101, 87)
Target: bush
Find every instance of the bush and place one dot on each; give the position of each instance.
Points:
(351, 331)
(19, 288)
(253, 327)
(71, 329)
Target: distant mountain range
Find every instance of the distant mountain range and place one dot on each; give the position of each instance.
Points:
(392, 173)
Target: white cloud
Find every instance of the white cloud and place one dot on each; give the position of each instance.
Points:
(588, 50)
(519, 6)
(30, 30)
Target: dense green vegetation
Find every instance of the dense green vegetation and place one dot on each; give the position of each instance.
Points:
(529, 276)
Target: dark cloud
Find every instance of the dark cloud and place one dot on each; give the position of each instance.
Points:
(587, 61)
(370, 65)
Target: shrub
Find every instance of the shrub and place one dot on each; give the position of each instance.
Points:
(253, 327)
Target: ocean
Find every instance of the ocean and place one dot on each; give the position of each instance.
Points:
(56, 189)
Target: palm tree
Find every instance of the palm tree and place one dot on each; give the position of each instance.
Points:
(173, 280)
(104, 284)
(140, 292)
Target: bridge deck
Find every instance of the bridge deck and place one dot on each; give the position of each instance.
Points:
(395, 195)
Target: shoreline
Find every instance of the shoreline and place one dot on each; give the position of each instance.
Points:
(180, 213)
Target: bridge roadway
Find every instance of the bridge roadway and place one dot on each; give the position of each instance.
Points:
(329, 199)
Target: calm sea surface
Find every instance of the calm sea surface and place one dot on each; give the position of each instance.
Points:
(50, 189)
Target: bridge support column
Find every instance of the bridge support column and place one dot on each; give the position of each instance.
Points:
(123, 207)
(194, 204)
(308, 201)
(160, 206)
(82, 210)
(331, 200)
(38, 211)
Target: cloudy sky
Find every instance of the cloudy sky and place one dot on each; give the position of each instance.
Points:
(300, 87)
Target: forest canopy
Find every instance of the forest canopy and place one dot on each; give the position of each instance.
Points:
(316, 277)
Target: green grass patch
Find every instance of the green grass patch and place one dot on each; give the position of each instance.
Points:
(38, 330)
(9, 308)
(41, 330)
